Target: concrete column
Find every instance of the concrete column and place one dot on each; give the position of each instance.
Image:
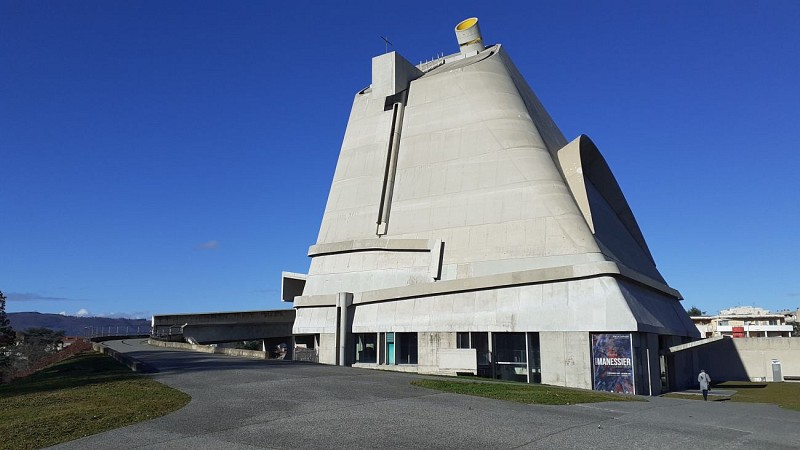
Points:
(343, 301)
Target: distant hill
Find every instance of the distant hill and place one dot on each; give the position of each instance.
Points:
(76, 326)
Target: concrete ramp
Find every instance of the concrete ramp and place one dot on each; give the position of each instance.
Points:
(219, 327)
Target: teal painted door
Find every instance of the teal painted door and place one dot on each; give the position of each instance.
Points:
(390, 348)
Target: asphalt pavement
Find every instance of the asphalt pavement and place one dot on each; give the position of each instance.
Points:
(240, 403)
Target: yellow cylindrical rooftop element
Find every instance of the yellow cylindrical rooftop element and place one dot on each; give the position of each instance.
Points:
(466, 23)
(468, 34)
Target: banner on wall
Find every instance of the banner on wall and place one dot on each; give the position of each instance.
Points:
(612, 362)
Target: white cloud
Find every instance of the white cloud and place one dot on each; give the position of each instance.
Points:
(132, 315)
(209, 245)
(63, 313)
(83, 312)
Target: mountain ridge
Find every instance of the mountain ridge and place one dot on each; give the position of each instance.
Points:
(77, 326)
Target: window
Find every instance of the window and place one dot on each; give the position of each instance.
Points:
(480, 342)
(366, 347)
(407, 348)
(462, 340)
(535, 362)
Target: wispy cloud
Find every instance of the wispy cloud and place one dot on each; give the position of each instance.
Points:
(793, 294)
(84, 312)
(31, 297)
(208, 245)
(132, 315)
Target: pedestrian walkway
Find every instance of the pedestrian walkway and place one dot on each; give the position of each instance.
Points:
(712, 393)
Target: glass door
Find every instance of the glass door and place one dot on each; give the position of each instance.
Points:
(390, 348)
(511, 356)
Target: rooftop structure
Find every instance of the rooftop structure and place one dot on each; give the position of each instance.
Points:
(464, 233)
(744, 321)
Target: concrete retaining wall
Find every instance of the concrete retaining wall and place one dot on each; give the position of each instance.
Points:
(758, 353)
(742, 359)
(209, 349)
(749, 358)
(133, 364)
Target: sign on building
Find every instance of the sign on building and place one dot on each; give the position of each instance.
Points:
(612, 363)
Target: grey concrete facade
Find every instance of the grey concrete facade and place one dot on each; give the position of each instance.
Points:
(458, 208)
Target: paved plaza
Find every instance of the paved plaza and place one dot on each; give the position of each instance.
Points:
(243, 403)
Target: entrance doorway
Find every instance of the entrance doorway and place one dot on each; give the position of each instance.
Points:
(663, 363)
(390, 358)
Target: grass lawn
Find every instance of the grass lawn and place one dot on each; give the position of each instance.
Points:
(786, 395)
(83, 395)
(524, 393)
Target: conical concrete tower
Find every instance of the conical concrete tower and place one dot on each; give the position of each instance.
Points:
(464, 233)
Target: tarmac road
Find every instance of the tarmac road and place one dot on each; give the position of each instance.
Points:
(241, 403)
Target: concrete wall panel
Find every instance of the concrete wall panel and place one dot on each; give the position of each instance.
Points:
(585, 305)
(327, 348)
(566, 359)
(315, 320)
(747, 358)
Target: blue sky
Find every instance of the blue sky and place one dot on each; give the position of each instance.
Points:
(175, 156)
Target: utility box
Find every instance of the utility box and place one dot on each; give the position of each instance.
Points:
(776, 371)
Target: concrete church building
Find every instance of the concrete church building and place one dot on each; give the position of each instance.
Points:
(464, 234)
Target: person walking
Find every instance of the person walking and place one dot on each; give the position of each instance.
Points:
(705, 382)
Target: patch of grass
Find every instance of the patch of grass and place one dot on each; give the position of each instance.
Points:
(87, 394)
(785, 395)
(524, 393)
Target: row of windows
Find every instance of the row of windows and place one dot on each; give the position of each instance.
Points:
(748, 322)
(397, 348)
(509, 357)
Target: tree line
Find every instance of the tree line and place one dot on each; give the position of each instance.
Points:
(21, 350)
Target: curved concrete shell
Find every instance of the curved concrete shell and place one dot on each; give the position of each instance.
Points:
(457, 206)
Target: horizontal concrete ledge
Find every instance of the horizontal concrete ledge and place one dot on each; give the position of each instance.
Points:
(209, 349)
(257, 315)
(132, 363)
(363, 245)
(694, 344)
(315, 300)
(234, 323)
(536, 276)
